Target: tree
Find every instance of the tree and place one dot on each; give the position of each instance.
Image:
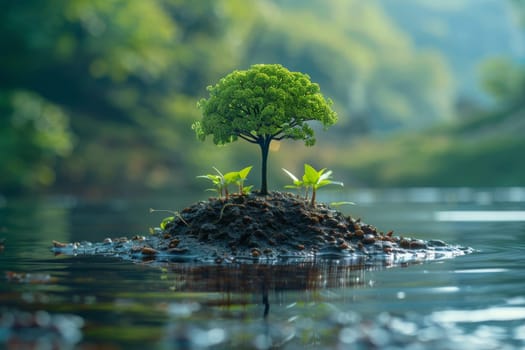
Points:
(264, 103)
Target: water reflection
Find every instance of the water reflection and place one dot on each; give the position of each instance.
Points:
(268, 282)
(262, 301)
(34, 220)
(256, 277)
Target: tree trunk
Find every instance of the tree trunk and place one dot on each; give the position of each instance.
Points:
(265, 146)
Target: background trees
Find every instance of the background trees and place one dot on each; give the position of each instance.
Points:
(81, 79)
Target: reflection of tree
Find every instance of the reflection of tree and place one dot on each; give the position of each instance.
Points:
(265, 300)
(268, 279)
(248, 277)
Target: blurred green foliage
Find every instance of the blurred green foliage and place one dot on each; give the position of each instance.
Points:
(485, 150)
(504, 79)
(98, 96)
(124, 75)
(33, 132)
(482, 148)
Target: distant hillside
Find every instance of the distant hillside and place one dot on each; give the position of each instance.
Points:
(483, 150)
(465, 31)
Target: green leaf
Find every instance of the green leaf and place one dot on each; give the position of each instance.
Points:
(294, 178)
(243, 174)
(338, 204)
(215, 179)
(218, 172)
(247, 189)
(322, 183)
(166, 221)
(324, 176)
(231, 177)
(292, 186)
(311, 176)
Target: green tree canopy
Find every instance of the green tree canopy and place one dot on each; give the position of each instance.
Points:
(264, 103)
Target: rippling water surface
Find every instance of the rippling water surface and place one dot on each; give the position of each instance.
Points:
(475, 301)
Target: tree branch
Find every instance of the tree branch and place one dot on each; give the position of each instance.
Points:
(279, 138)
(294, 123)
(276, 135)
(248, 137)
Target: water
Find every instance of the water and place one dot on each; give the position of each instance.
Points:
(475, 301)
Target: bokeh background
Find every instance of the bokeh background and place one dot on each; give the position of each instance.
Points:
(97, 97)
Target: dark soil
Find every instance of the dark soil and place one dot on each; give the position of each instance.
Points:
(281, 224)
(278, 226)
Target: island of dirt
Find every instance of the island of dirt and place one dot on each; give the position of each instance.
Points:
(277, 227)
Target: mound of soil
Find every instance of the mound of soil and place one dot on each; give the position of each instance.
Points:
(281, 224)
(277, 223)
(277, 226)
